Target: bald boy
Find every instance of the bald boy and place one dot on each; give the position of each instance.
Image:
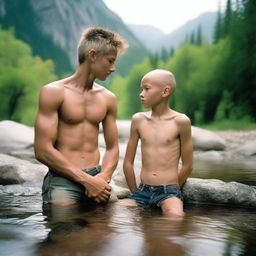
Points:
(165, 137)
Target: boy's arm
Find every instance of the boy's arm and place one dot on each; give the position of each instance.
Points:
(186, 148)
(46, 127)
(130, 155)
(110, 158)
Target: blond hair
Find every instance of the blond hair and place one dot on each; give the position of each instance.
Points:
(101, 40)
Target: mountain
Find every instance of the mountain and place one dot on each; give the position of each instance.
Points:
(148, 35)
(155, 40)
(53, 27)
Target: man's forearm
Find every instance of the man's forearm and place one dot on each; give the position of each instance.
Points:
(55, 160)
(109, 163)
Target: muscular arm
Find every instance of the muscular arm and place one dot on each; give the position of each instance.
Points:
(110, 158)
(46, 128)
(186, 148)
(130, 155)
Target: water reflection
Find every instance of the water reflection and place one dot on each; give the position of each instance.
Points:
(125, 230)
(28, 230)
(243, 171)
(74, 231)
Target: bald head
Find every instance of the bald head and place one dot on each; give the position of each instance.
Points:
(162, 78)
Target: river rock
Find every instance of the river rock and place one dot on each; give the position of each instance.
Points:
(124, 128)
(211, 155)
(248, 149)
(15, 136)
(18, 190)
(210, 191)
(206, 140)
(214, 191)
(17, 171)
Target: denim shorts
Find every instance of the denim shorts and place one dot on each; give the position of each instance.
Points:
(151, 196)
(60, 189)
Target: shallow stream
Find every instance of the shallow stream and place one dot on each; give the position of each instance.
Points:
(114, 230)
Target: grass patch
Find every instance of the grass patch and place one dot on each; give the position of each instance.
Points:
(230, 125)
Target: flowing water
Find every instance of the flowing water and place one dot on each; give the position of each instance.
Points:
(112, 230)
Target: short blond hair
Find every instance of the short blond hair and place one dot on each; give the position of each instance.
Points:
(101, 40)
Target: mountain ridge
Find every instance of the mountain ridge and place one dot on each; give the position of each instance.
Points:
(59, 25)
(161, 40)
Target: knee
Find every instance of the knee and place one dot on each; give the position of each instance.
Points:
(173, 213)
(126, 202)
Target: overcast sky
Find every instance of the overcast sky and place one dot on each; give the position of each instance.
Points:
(167, 15)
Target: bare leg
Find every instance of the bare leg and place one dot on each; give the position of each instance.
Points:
(172, 207)
(61, 198)
(126, 202)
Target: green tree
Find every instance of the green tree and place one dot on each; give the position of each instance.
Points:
(227, 19)
(199, 37)
(218, 27)
(133, 87)
(164, 55)
(21, 76)
(119, 87)
(153, 58)
(192, 39)
(196, 70)
(240, 65)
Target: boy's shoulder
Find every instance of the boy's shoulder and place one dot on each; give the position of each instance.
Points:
(140, 116)
(181, 119)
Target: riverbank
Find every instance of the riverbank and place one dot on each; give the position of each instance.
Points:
(235, 138)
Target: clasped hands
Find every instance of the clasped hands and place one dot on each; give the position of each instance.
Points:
(99, 189)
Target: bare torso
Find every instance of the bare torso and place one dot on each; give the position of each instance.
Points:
(160, 146)
(78, 124)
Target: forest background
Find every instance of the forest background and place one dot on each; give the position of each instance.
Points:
(216, 81)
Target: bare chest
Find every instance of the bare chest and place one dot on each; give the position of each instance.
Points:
(163, 133)
(77, 108)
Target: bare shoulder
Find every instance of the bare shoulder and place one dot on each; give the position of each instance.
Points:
(51, 94)
(138, 119)
(182, 120)
(104, 91)
(139, 116)
(52, 88)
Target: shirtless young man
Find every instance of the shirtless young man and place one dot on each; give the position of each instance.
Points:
(67, 125)
(165, 137)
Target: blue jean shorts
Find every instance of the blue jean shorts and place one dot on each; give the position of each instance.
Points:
(58, 186)
(151, 196)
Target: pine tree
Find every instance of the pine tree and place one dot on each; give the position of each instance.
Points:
(199, 38)
(172, 51)
(192, 38)
(227, 19)
(218, 27)
(164, 55)
(243, 57)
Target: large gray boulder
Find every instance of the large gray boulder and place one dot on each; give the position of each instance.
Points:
(206, 140)
(212, 191)
(17, 171)
(14, 136)
(248, 149)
